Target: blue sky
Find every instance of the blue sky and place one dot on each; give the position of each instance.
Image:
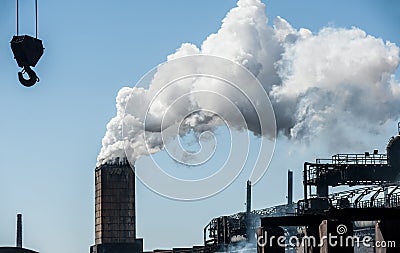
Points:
(51, 133)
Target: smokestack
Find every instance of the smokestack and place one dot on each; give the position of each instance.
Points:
(290, 187)
(115, 224)
(115, 203)
(248, 197)
(19, 230)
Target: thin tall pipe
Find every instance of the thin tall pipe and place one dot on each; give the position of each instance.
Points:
(19, 230)
(248, 198)
(17, 17)
(290, 187)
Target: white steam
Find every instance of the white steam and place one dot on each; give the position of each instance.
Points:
(334, 77)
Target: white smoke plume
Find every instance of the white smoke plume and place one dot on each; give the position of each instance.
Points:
(334, 77)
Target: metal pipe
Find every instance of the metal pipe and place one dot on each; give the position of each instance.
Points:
(305, 180)
(290, 187)
(19, 230)
(248, 198)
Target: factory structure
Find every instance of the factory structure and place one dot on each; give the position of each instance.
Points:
(324, 221)
(370, 208)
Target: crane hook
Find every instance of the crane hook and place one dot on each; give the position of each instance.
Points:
(32, 77)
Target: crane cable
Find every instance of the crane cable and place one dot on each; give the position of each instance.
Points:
(17, 19)
(36, 18)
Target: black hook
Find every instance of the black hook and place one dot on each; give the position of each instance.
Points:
(32, 77)
(398, 125)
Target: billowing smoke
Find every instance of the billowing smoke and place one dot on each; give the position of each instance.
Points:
(335, 77)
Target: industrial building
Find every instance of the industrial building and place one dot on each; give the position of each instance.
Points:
(372, 210)
(371, 207)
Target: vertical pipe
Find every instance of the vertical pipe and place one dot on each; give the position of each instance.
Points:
(305, 181)
(385, 196)
(248, 197)
(17, 17)
(290, 187)
(19, 230)
(322, 190)
(205, 236)
(226, 232)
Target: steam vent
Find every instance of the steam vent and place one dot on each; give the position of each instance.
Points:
(115, 228)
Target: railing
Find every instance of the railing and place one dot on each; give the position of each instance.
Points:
(323, 166)
(272, 211)
(392, 202)
(366, 158)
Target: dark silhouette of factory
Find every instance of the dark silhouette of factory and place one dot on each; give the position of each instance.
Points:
(18, 247)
